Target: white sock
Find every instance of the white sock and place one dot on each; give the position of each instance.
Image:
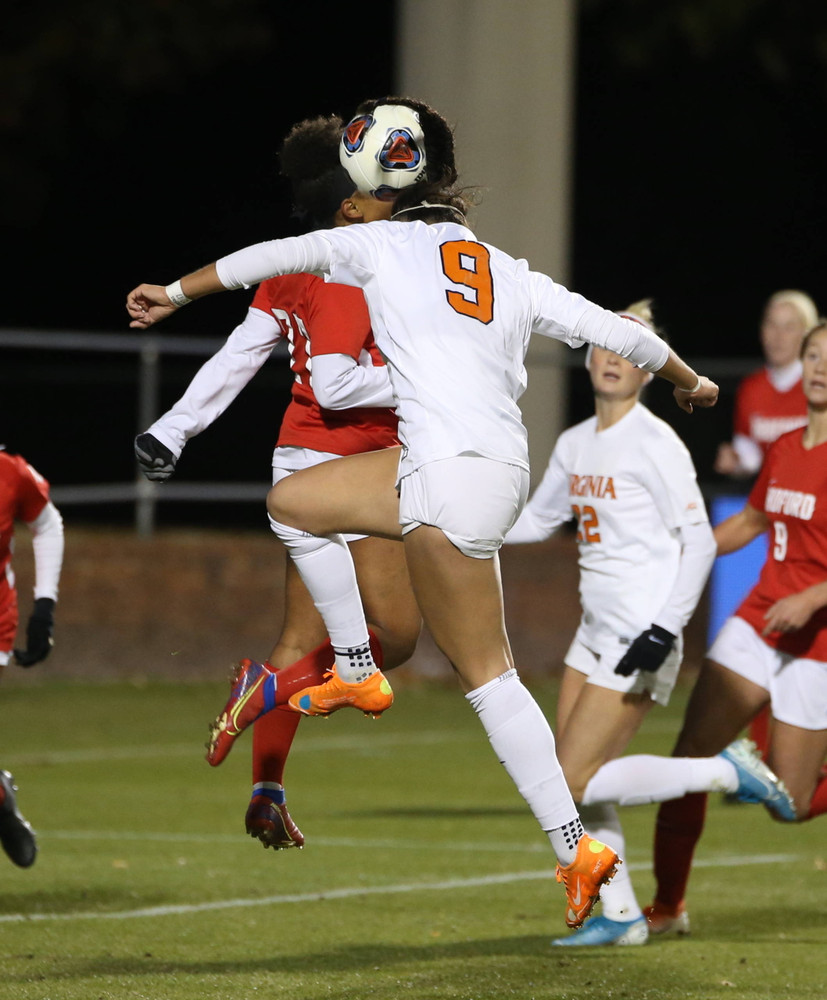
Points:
(643, 778)
(355, 663)
(524, 743)
(326, 568)
(618, 896)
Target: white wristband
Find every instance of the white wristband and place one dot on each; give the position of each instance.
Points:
(690, 391)
(176, 294)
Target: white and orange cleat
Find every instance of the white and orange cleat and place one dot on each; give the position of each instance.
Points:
(594, 864)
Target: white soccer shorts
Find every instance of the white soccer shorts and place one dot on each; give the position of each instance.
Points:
(471, 499)
(599, 664)
(797, 687)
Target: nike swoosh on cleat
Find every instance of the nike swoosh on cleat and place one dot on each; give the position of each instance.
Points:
(576, 900)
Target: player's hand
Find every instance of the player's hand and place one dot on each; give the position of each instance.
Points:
(147, 304)
(647, 652)
(789, 614)
(705, 395)
(155, 460)
(39, 631)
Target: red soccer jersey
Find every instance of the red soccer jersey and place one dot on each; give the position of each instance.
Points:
(763, 413)
(23, 495)
(792, 491)
(316, 318)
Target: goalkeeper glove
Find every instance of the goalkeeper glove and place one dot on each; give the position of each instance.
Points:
(39, 639)
(647, 652)
(156, 461)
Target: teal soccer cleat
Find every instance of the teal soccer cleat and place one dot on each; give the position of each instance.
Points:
(756, 782)
(600, 931)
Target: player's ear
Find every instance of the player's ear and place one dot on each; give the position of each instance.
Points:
(351, 209)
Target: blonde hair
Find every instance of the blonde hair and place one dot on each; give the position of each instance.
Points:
(800, 301)
(642, 309)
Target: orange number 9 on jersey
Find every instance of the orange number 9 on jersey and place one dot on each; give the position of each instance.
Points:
(467, 263)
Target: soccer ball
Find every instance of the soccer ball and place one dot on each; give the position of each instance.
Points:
(384, 151)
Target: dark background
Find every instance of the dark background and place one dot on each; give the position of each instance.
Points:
(139, 143)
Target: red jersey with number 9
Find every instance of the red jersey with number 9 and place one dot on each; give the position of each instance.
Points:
(791, 489)
(319, 318)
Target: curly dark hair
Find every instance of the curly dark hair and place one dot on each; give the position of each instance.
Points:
(309, 159)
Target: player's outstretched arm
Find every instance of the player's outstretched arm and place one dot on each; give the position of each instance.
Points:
(691, 389)
(149, 304)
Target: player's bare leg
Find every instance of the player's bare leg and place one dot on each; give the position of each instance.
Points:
(357, 494)
(461, 602)
(797, 757)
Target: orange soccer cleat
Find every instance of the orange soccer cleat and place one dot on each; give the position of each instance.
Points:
(372, 696)
(593, 866)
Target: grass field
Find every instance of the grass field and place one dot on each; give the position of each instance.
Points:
(424, 875)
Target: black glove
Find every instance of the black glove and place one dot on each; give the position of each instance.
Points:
(647, 652)
(156, 461)
(39, 639)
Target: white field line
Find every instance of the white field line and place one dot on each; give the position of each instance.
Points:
(314, 744)
(358, 891)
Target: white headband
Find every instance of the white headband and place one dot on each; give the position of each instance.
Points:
(429, 204)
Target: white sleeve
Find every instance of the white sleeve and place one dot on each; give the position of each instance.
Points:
(570, 317)
(47, 545)
(748, 452)
(547, 509)
(310, 253)
(339, 382)
(697, 556)
(218, 381)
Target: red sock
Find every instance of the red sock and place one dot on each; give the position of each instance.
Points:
(376, 650)
(678, 829)
(273, 733)
(818, 803)
(304, 673)
(759, 731)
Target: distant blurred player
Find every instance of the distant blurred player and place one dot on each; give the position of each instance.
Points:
(770, 402)
(24, 496)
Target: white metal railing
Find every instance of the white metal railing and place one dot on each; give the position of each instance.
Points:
(149, 348)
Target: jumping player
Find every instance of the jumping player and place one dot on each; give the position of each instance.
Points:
(452, 316)
(341, 404)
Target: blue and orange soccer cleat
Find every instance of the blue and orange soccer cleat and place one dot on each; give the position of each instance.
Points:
(372, 696)
(593, 866)
(253, 694)
(271, 823)
(16, 834)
